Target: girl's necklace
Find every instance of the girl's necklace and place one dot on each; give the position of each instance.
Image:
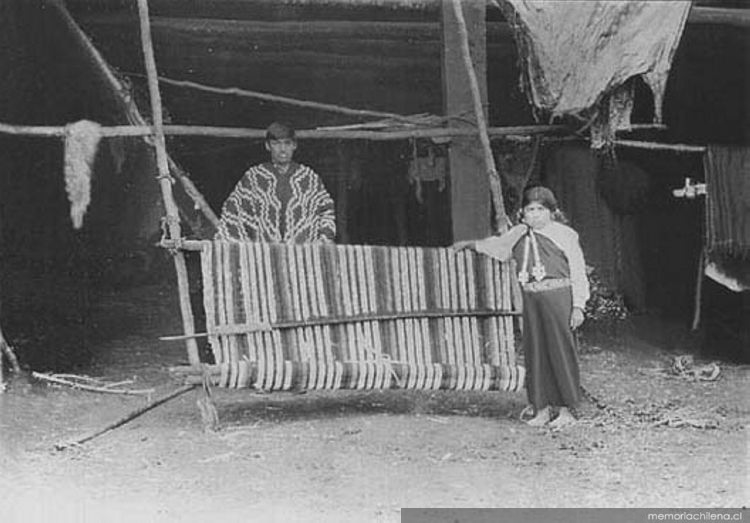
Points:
(537, 271)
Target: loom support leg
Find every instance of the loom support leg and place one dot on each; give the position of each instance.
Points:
(699, 290)
(172, 219)
(7, 351)
(207, 407)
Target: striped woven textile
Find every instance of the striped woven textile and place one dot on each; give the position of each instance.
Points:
(317, 316)
(727, 171)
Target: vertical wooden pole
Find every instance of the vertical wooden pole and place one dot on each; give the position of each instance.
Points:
(165, 181)
(2, 373)
(699, 290)
(469, 187)
(501, 218)
(7, 352)
(745, 325)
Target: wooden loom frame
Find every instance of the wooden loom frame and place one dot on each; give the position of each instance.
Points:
(453, 330)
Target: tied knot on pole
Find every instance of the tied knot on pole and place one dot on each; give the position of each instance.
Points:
(386, 361)
(166, 176)
(173, 245)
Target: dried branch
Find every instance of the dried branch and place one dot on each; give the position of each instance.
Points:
(126, 418)
(76, 383)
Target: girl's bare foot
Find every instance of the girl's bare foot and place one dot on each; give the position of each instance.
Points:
(564, 419)
(541, 418)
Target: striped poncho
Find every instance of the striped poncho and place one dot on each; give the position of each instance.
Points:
(268, 206)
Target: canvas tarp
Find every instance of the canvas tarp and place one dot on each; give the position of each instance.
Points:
(577, 54)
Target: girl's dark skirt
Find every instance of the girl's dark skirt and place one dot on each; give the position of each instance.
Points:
(550, 349)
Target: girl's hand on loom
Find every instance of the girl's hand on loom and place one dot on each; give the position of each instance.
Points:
(465, 244)
(576, 318)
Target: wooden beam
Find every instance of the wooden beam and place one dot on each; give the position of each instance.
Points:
(346, 134)
(509, 133)
(677, 147)
(501, 218)
(470, 187)
(58, 131)
(313, 134)
(238, 91)
(719, 16)
(165, 181)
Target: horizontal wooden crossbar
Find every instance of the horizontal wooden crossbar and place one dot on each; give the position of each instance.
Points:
(246, 328)
(241, 132)
(363, 375)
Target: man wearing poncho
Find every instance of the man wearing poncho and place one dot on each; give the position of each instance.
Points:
(280, 201)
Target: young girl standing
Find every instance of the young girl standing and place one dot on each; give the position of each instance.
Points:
(552, 274)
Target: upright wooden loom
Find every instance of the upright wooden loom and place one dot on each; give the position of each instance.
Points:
(291, 317)
(282, 317)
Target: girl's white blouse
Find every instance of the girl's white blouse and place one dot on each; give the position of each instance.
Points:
(501, 248)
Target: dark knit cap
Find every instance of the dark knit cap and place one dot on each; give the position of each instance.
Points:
(279, 131)
(541, 195)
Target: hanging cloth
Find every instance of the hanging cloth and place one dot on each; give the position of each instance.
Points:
(727, 172)
(577, 57)
(730, 277)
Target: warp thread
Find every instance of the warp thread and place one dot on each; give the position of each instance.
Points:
(81, 143)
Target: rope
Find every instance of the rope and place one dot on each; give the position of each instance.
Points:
(385, 359)
(600, 404)
(173, 245)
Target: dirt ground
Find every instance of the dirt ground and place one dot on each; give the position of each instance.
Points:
(646, 438)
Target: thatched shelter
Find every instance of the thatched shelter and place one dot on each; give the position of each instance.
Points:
(381, 55)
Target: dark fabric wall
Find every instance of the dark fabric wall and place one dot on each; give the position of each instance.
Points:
(55, 84)
(380, 65)
(48, 268)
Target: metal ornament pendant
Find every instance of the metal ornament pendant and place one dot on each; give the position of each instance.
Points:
(523, 277)
(539, 272)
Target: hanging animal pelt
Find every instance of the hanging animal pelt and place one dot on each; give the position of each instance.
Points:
(81, 142)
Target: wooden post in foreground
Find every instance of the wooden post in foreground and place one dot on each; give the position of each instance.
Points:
(165, 182)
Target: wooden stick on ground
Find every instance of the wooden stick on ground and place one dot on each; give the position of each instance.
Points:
(76, 384)
(122, 421)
